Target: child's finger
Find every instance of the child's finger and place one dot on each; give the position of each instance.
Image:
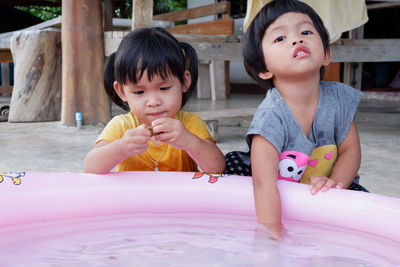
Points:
(159, 122)
(143, 126)
(317, 184)
(339, 185)
(328, 185)
(134, 144)
(158, 129)
(144, 129)
(314, 181)
(165, 137)
(165, 125)
(159, 126)
(272, 231)
(136, 140)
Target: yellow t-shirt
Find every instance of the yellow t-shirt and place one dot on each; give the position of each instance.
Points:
(171, 159)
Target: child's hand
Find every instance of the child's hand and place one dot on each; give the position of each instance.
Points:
(323, 183)
(135, 141)
(275, 231)
(272, 231)
(170, 131)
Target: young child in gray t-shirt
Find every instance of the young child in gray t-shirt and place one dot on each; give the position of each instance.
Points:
(304, 130)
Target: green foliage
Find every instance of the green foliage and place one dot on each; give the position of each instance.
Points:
(43, 12)
(122, 8)
(164, 6)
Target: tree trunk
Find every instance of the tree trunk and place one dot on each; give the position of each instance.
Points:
(82, 63)
(142, 14)
(37, 76)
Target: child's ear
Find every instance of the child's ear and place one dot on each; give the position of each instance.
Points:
(327, 58)
(265, 75)
(187, 80)
(119, 90)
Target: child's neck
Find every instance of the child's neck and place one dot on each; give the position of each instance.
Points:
(302, 98)
(300, 91)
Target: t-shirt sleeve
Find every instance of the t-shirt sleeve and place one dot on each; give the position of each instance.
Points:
(268, 124)
(196, 126)
(348, 100)
(114, 130)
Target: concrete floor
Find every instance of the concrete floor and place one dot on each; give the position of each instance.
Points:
(51, 147)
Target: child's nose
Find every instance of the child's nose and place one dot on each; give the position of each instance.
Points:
(295, 42)
(153, 100)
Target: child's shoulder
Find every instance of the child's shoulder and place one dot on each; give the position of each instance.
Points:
(273, 100)
(186, 115)
(331, 85)
(339, 89)
(127, 120)
(272, 108)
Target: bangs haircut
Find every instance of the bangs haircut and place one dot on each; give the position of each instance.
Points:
(252, 44)
(153, 51)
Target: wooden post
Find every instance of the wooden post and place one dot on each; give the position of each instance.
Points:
(5, 58)
(107, 15)
(5, 55)
(5, 74)
(352, 73)
(142, 13)
(82, 63)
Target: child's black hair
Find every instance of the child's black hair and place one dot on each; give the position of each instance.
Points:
(252, 43)
(153, 50)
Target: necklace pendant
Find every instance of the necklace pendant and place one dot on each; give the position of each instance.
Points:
(156, 169)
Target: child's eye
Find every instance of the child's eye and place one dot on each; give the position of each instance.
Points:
(165, 88)
(279, 39)
(138, 92)
(306, 32)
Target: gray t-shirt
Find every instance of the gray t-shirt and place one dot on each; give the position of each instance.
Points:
(274, 121)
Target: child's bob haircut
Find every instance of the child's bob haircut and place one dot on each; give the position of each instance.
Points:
(153, 50)
(252, 43)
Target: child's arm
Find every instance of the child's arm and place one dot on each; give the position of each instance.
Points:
(264, 166)
(105, 156)
(204, 152)
(346, 166)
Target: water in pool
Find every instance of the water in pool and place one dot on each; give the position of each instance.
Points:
(183, 239)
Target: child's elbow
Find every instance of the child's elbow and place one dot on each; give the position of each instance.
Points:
(89, 167)
(94, 171)
(219, 167)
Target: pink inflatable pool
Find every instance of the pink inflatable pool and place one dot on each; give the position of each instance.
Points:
(189, 219)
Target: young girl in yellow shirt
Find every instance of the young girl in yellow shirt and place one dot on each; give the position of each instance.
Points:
(152, 75)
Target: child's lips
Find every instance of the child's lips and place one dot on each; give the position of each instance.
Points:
(156, 114)
(301, 52)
